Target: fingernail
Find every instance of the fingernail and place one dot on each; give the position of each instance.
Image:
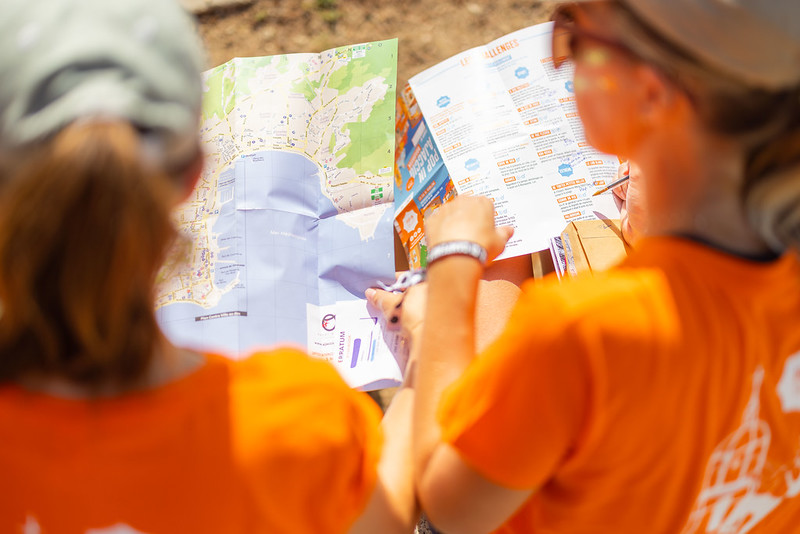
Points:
(370, 293)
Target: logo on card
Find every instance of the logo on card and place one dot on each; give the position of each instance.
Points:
(329, 322)
(565, 170)
(570, 86)
(472, 164)
(521, 72)
(443, 101)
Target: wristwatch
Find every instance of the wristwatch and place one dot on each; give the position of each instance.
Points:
(457, 248)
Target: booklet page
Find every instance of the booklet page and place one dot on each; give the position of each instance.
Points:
(506, 124)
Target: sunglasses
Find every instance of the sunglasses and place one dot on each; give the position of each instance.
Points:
(566, 34)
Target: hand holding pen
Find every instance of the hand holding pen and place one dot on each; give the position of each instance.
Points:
(613, 184)
(396, 292)
(630, 201)
(402, 303)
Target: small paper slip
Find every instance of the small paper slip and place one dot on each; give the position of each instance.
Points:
(558, 255)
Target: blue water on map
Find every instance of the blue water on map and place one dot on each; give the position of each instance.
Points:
(276, 234)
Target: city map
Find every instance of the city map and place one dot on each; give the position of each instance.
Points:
(292, 218)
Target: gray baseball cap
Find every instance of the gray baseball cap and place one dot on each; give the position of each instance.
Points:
(754, 41)
(64, 60)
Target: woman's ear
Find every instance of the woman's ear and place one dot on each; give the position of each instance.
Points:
(659, 98)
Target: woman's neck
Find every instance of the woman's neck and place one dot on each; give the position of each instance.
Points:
(694, 189)
(168, 364)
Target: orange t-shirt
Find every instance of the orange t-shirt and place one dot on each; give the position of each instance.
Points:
(274, 443)
(662, 396)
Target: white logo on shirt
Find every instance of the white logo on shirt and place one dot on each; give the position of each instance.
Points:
(119, 528)
(789, 385)
(31, 526)
(732, 500)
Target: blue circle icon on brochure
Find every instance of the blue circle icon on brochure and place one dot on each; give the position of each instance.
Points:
(472, 164)
(565, 170)
(521, 72)
(570, 86)
(443, 101)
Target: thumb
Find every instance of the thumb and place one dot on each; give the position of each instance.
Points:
(501, 236)
(384, 301)
(505, 233)
(621, 191)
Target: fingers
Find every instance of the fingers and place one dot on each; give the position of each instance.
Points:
(388, 303)
(623, 169)
(402, 311)
(467, 218)
(502, 235)
(505, 232)
(621, 191)
(633, 218)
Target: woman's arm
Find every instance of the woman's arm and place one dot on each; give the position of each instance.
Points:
(392, 508)
(450, 483)
(454, 496)
(461, 313)
(457, 498)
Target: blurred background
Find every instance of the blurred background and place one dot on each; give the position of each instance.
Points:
(428, 32)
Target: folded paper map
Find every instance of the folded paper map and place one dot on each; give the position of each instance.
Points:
(292, 218)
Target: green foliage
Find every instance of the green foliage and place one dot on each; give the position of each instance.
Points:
(260, 17)
(367, 152)
(331, 16)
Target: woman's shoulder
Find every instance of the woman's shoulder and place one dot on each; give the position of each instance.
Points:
(296, 426)
(619, 291)
(287, 389)
(299, 434)
(285, 368)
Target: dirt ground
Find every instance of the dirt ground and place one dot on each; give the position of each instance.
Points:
(428, 32)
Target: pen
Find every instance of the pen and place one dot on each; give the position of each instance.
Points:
(404, 281)
(612, 185)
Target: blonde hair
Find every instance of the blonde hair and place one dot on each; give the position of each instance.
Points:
(84, 226)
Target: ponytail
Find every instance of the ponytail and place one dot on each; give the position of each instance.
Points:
(771, 193)
(84, 226)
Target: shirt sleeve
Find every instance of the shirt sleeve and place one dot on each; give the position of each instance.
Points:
(309, 444)
(517, 412)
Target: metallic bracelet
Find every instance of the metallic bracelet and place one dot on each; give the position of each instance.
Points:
(457, 248)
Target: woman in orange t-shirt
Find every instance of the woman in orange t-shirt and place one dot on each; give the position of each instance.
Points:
(105, 426)
(661, 396)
